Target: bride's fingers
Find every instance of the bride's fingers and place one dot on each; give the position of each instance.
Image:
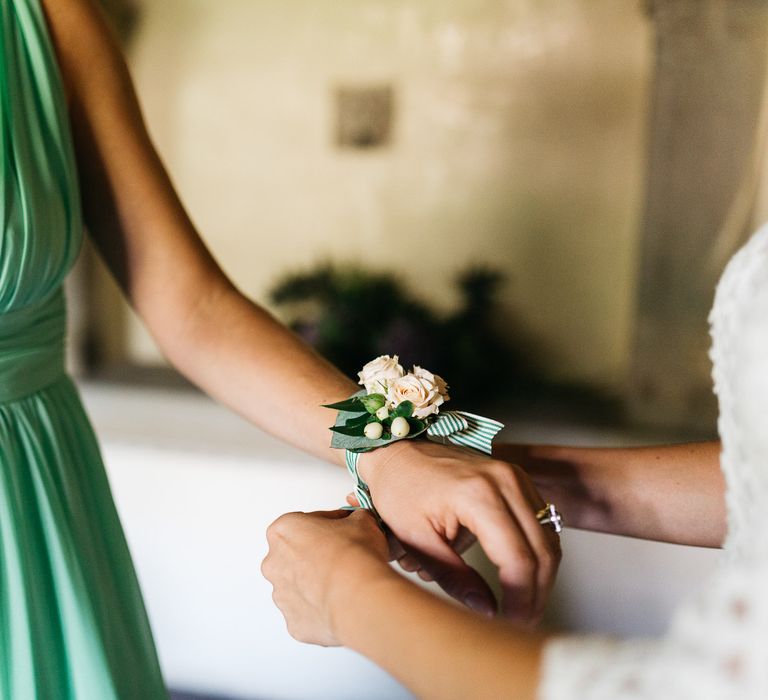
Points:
(352, 500)
(409, 563)
(544, 541)
(463, 541)
(507, 546)
(441, 564)
(425, 576)
(396, 549)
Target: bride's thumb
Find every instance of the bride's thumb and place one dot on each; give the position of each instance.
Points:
(352, 500)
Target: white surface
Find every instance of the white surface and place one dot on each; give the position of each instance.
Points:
(196, 488)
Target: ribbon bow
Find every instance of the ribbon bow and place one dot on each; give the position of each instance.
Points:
(456, 427)
(465, 429)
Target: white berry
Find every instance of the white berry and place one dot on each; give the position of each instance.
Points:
(382, 413)
(373, 431)
(400, 427)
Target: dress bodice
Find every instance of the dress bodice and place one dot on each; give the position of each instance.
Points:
(40, 217)
(717, 645)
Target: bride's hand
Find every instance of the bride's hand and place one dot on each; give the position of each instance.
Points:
(431, 495)
(316, 561)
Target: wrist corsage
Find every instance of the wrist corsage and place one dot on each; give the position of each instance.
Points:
(397, 405)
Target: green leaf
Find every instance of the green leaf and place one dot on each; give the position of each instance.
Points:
(373, 402)
(359, 443)
(349, 430)
(352, 405)
(359, 419)
(417, 427)
(404, 409)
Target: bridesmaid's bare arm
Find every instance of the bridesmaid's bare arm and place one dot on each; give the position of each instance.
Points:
(239, 354)
(227, 345)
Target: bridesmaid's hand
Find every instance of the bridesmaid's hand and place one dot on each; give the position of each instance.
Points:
(318, 561)
(435, 499)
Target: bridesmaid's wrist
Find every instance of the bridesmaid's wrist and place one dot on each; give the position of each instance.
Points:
(372, 464)
(352, 591)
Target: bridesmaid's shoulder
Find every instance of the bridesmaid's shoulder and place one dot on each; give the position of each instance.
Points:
(82, 39)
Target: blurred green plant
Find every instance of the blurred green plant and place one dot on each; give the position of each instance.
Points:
(351, 315)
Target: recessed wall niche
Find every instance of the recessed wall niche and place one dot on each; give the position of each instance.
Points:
(364, 116)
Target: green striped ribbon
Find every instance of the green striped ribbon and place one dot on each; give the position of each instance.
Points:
(465, 430)
(456, 427)
(362, 491)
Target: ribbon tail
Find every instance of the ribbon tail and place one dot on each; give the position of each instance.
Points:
(477, 435)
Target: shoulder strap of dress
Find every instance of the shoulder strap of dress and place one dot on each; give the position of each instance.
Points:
(36, 149)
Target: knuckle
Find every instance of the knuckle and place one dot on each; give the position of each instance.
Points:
(479, 488)
(548, 563)
(266, 568)
(524, 563)
(274, 531)
(299, 632)
(279, 529)
(501, 471)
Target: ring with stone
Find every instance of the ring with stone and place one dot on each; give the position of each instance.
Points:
(550, 516)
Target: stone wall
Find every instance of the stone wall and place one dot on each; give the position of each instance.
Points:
(706, 135)
(517, 139)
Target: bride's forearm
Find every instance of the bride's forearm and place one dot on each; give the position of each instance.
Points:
(671, 493)
(437, 650)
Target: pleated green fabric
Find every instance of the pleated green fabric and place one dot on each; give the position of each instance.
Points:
(72, 621)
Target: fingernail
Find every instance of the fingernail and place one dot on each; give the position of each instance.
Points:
(479, 603)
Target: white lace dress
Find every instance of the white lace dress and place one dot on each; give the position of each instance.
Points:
(717, 645)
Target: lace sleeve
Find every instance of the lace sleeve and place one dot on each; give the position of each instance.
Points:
(717, 646)
(593, 668)
(717, 649)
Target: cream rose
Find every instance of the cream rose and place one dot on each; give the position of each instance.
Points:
(422, 392)
(377, 375)
(437, 380)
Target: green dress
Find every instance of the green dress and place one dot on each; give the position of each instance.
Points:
(72, 621)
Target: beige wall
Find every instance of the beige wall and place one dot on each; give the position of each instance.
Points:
(519, 141)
